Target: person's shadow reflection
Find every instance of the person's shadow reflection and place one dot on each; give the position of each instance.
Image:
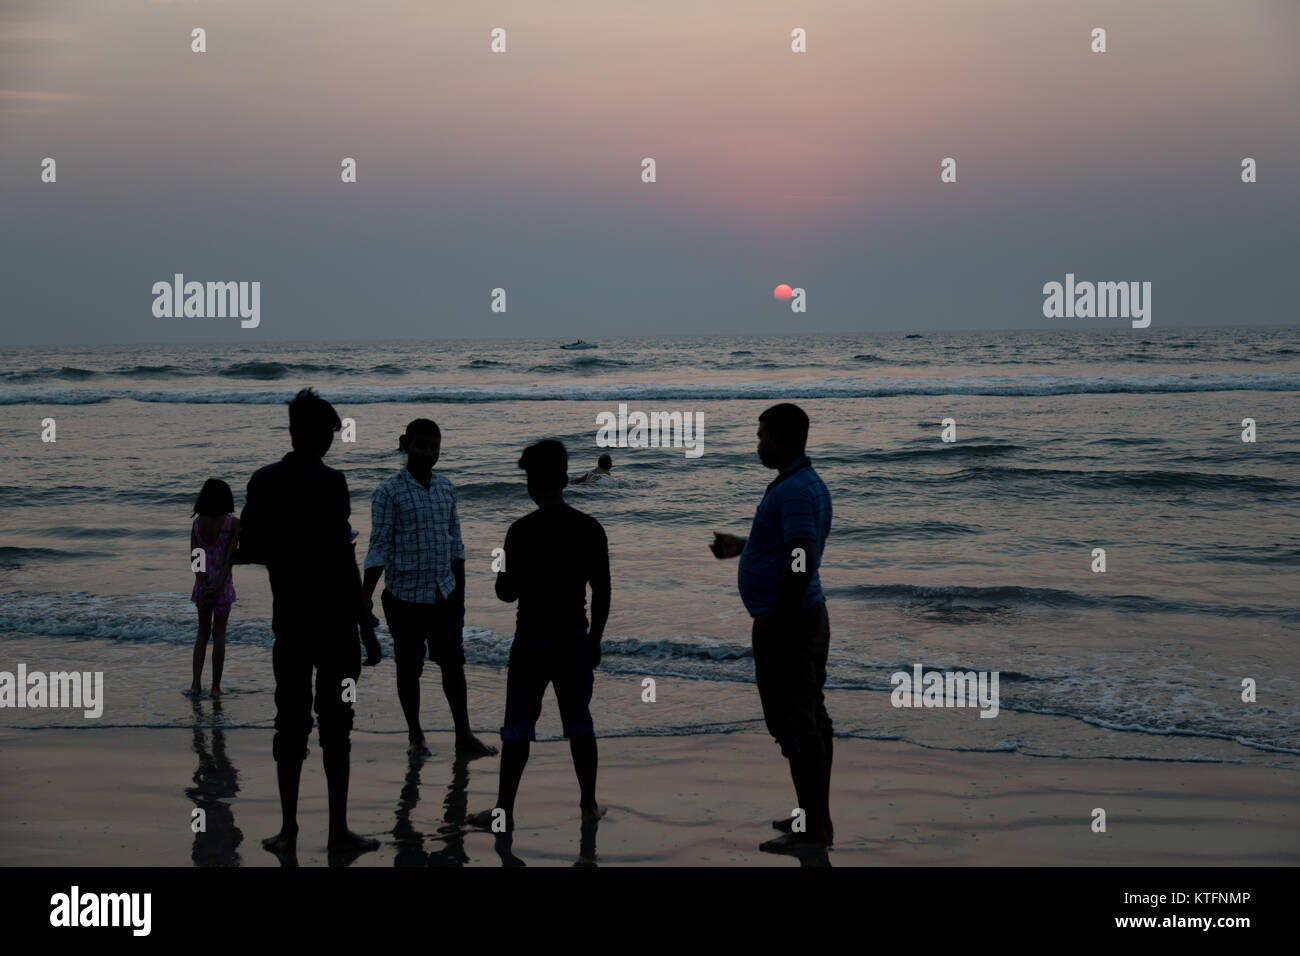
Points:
(449, 849)
(450, 837)
(215, 781)
(504, 844)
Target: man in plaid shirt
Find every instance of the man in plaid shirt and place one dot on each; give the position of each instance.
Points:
(415, 544)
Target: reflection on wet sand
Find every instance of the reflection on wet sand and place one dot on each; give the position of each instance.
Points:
(450, 837)
(216, 838)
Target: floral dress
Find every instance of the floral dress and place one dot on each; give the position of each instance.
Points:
(215, 554)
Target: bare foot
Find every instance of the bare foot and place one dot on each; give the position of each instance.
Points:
(418, 749)
(283, 842)
(485, 819)
(195, 690)
(349, 842)
(786, 825)
(216, 691)
(592, 812)
(471, 745)
(794, 843)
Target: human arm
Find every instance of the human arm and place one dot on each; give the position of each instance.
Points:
(507, 588)
(727, 545)
(374, 653)
(336, 528)
(457, 564)
(598, 576)
(200, 577)
(458, 595)
(800, 565)
(801, 557)
(370, 581)
(382, 525)
(207, 596)
(226, 559)
(253, 530)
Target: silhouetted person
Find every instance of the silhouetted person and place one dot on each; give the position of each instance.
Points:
(780, 588)
(551, 555)
(295, 521)
(604, 465)
(415, 544)
(216, 531)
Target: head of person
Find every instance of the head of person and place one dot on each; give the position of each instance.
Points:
(546, 464)
(604, 461)
(312, 423)
(422, 443)
(782, 435)
(215, 500)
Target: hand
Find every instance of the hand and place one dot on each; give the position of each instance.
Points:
(374, 653)
(726, 545)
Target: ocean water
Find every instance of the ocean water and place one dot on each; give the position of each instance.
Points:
(970, 555)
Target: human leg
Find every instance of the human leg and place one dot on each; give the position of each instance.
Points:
(338, 661)
(406, 626)
(573, 681)
(526, 682)
(292, 668)
(446, 649)
(201, 648)
(219, 619)
(790, 680)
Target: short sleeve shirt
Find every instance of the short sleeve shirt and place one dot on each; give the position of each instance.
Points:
(797, 505)
(414, 537)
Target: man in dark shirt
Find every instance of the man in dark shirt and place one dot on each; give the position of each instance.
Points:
(782, 591)
(551, 555)
(295, 521)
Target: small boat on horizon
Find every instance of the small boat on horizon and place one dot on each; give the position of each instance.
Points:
(579, 345)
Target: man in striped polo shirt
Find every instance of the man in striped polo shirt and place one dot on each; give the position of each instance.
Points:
(782, 591)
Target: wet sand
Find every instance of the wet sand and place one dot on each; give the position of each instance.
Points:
(89, 797)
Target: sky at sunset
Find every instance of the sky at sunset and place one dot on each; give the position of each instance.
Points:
(522, 170)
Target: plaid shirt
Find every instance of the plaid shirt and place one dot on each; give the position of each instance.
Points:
(414, 536)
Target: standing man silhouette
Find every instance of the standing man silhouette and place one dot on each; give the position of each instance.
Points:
(551, 556)
(295, 521)
(780, 588)
(415, 544)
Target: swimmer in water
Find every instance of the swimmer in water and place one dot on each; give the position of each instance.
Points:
(603, 466)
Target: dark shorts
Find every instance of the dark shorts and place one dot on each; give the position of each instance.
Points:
(538, 660)
(335, 656)
(790, 670)
(414, 627)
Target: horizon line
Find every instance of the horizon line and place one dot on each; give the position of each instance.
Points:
(661, 335)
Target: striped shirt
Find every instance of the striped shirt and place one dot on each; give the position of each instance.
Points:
(414, 537)
(797, 506)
